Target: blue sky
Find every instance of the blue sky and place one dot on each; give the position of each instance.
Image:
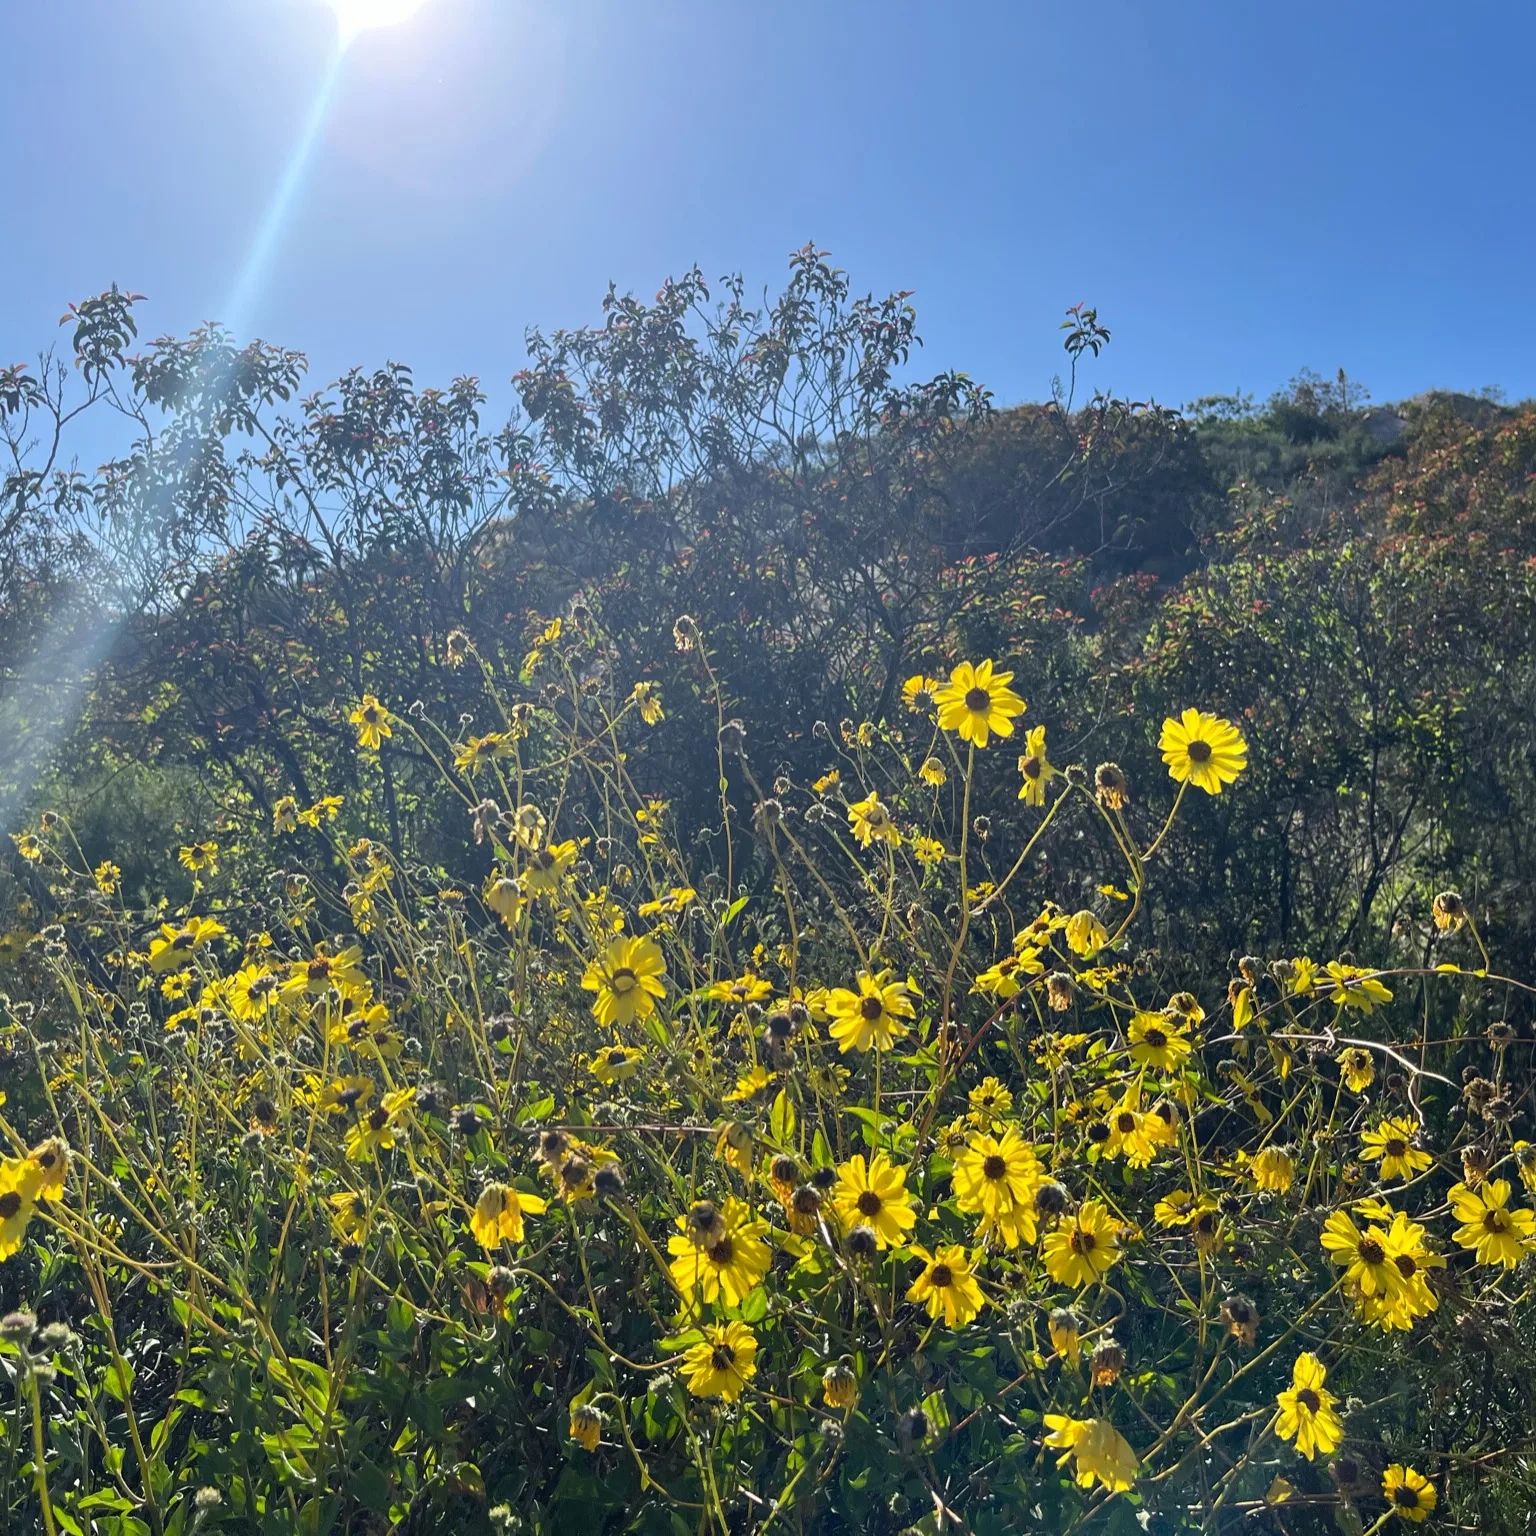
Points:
(1243, 190)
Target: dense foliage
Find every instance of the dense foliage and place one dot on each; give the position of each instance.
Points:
(542, 990)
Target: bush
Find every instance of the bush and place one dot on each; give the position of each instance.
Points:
(801, 1166)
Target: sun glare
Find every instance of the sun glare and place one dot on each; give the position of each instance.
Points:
(355, 16)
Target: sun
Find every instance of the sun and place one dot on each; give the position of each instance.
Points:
(354, 16)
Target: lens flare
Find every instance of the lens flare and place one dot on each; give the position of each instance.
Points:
(355, 16)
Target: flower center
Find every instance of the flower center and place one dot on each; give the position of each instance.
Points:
(1396, 1147)
(624, 980)
(871, 1008)
(1155, 1038)
(616, 1056)
(941, 1275)
(978, 701)
(722, 1253)
(1030, 767)
(995, 1167)
(1199, 751)
(1371, 1252)
(870, 1204)
(10, 1204)
(722, 1357)
(1309, 1400)
(1083, 1242)
(1496, 1221)
(1407, 1266)
(1125, 1122)
(1406, 1497)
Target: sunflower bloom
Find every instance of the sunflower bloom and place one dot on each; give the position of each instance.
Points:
(870, 821)
(872, 1017)
(1203, 750)
(722, 1363)
(1158, 1042)
(1496, 1234)
(1083, 1247)
(729, 1261)
(1307, 1417)
(372, 722)
(874, 1195)
(998, 1175)
(628, 978)
(1100, 1452)
(977, 703)
(947, 1286)
(498, 1215)
(1391, 1144)
(1369, 1267)
(1410, 1493)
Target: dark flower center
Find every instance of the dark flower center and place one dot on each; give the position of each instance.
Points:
(1030, 767)
(378, 1119)
(1155, 1038)
(10, 1204)
(1496, 1221)
(1407, 1265)
(623, 980)
(722, 1357)
(1405, 1497)
(1125, 1122)
(941, 1275)
(1309, 1400)
(871, 1008)
(870, 1204)
(1396, 1147)
(723, 1252)
(1199, 751)
(1371, 1252)
(616, 1057)
(995, 1167)
(1083, 1242)
(978, 701)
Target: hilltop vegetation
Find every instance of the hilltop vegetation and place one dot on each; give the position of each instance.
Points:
(420, 825)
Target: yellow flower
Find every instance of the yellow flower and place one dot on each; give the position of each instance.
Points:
(947, 1286)
(1203, 750)
(750, 988)
(615, 1063)
(1100, 1451)
(1370, 1268)
(1410, 1493)
(343, 1095)
(1525, 1161)
(1307, 1417)
(372, 722)
(1083, 1247)
(40, 1174)
(349, 1213)
(503, 894)
(647, 699)
(1034, 768)
(933, 772)
(200, 858)
(1391, 1143)
(1273, 1169)
(874, 1195)
(628, 979)
(1411, 1255)
(977, 703)
(586, 1426)
(547, 867)
(175, 946)
(871, 1018)
(1352, 986)
(928, 851)
(1357, 1068)
(839, 1386)
(730, 1261)
(1158, 1041)
(678, 898)
(378, 1130)
(15, 1208)
(989, 1098)
(749, 1084)
(998, 1176)
(498, 1215)
(1495, 1233)
(871, 822)
(1086, 934)
(480, 750)
(322, 971)
(921, 694)
(1065, 1328)
(31, 850)
(722, 1363)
